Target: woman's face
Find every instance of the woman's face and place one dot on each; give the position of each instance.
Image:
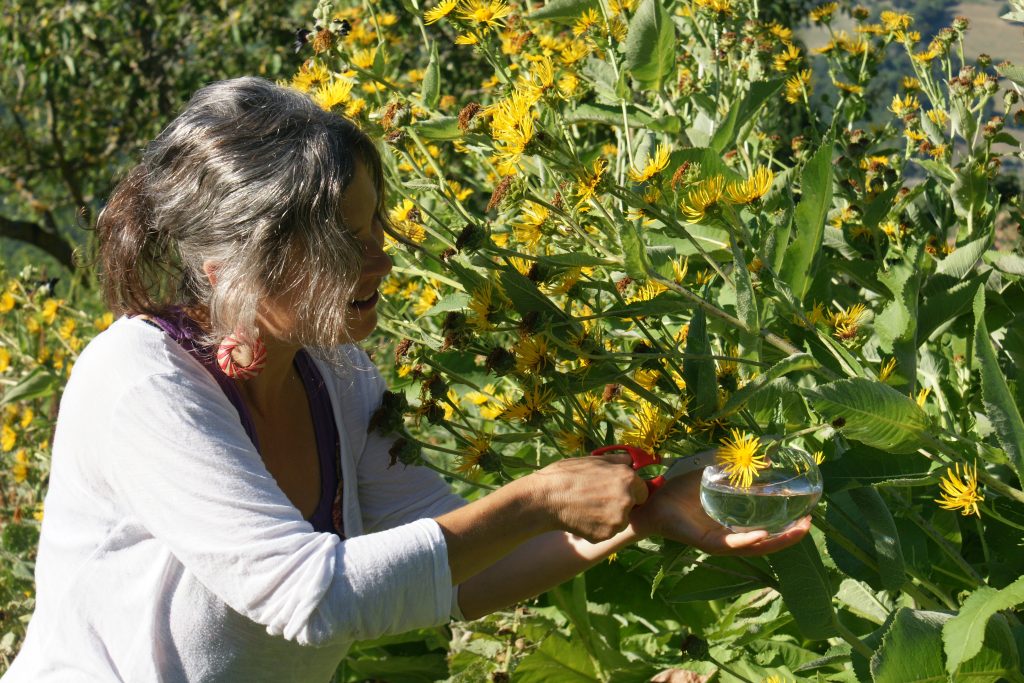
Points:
(359, 210)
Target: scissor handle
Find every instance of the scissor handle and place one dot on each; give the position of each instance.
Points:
(641, 459)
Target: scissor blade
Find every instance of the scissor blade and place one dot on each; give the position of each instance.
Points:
(690, 463)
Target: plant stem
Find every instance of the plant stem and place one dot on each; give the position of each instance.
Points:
(855, 642)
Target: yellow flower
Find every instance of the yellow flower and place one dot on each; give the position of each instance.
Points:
(20, 468)
(428, 297)
(587, 186)
(753, 188)
(27, 415)
(910, 83)
(886, 371)
(8, 438)
(960, 491)
(739, 458)
(6, 302)
(442, 9)
(845, 322)
(650, 427)
(485, 12)
(655, 164)
(535, 402)
(819, 457)
(532, 356)
(701, 198)
(574, 52)
(938, 117)
(567, 85)
(823, 13)
(67, 328)
(904, 106)
(311, 75)
(896, 21)
(337, 92)
(528, 228)
(5, 359)
(49, 313)
(512, 129)
(788, 58)
(364, 59)
(721, 7)
(466, 39)
(922, 396)
(355, 107)
(469, 462)
(38, 513)
(103, 322)
(798, 86)
(586, 21)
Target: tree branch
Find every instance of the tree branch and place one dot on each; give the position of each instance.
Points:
(34, 234)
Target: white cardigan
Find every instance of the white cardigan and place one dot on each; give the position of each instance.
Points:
(168, 552)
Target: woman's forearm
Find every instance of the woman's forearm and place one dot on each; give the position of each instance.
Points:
(533, 567)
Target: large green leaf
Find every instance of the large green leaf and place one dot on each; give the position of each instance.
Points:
(816, 198)
(432, 79)
(805, 588)
(746, 306)
(962, 635)
(871, 413)
(651, 44)
(563, 10)
(1000, 407)
(962, 261)
(898, 320)
(797, 362)
(557, 659)
(699, 370)
(911, 650)
(888, 551)
(742, 111)
(441, 128)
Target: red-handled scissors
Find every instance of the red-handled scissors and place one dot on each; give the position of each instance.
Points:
(677, 466)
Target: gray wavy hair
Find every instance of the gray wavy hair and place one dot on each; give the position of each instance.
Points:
(250, 176)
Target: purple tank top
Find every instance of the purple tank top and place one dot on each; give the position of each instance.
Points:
(328, 515)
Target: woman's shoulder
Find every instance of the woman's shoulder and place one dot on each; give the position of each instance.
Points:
(131, 351)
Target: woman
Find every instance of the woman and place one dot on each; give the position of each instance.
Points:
(218, 510)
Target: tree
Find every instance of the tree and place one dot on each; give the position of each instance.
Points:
(87, 84)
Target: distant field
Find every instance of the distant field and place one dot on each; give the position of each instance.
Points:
(1001, 39)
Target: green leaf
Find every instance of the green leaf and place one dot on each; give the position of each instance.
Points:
(441, 128)
(432, 79)
(1000, 407)
(802, 256)
(563, 10)
(633, 251)
(938, 169)
(1012, 71)
(805, 588)
(971, 187)
(880, 207)
(859, 599)
(798, 362)
(699, 372)
(939, 307)
(651, 44)
(595, 112)
(746, 306)
(888, 552)
(898, 320)
(963, 634)
(962, 261)
(526, 298)
(743, 110)
(911, 650)
(577, 259)
(39, 383)
(871, 413)
(557, 659)
(712, 578)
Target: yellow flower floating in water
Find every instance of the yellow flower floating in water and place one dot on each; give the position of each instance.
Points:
(960, 491)
(739, 458)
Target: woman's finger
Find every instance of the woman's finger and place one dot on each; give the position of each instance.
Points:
(638, 488)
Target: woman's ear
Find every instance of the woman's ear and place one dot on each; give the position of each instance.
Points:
(210, 268)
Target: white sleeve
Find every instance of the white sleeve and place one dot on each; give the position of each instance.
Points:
(179, 461)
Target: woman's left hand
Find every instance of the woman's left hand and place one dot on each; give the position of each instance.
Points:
(674, 512)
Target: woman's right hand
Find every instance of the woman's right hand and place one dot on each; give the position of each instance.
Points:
(591, 497)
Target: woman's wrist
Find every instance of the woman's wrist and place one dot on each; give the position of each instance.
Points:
(533, 500)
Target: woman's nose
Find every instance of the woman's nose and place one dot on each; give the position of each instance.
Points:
(378, 263)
